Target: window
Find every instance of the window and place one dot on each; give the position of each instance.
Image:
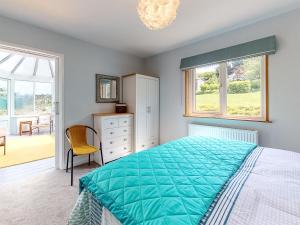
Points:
(32, 98)
(3, 97)
(23, 98)
(26, 84)
(43, 98)
(234, 89)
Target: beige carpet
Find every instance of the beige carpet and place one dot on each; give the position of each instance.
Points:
(43, 199)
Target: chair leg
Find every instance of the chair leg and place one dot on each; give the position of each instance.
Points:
(101, 155)
(4, 140)
(67, 167)
(72, 156)
(89, 159)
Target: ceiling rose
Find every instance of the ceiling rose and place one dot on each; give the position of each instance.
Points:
(157, 14)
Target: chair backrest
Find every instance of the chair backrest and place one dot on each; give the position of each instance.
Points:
(76, 135)
(44, 119)
(2, 132)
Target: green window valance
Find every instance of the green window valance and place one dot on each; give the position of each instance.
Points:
(264, 46)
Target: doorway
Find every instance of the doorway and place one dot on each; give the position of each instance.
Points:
(30, 113)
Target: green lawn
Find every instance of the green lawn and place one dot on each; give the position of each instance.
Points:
(247, 104)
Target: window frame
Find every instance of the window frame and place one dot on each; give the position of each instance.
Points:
(189, 92)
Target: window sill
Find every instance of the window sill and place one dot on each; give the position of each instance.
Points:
(209, 116)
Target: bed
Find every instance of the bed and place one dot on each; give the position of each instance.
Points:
(194, 180)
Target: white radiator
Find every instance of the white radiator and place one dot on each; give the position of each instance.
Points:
(224, 133)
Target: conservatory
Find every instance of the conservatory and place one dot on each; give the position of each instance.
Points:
(26, 104)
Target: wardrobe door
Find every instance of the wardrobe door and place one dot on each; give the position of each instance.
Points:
(141, 113)
(153, 111)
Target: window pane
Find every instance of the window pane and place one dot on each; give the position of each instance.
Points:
(43, 98)
(10, 63)
(43, 69)
(52, 62)
(3, 97)
(244, 87)
(3, 55)
(23, 98)
(206, 86)
(26, 67)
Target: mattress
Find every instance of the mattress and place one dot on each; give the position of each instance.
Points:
(265, 191)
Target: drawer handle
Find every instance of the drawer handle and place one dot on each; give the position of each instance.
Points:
(111, 142)
(125, 121)
(125, 139)
(111, 152)
(111, 132)
(111, 123)
(153, 143)
(143, 146)
(124, 148)
(125, 131)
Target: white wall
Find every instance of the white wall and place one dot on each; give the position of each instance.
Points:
(81, 61)
(284, 84)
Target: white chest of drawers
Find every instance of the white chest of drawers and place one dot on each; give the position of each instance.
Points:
(115, 133)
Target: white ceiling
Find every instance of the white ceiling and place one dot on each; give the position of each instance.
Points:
(115, 23)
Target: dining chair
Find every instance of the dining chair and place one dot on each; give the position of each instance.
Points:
(77, 138)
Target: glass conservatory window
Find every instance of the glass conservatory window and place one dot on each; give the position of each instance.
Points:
(25, 83)
(43, 69)
(52, 64)
(23, 98)
(10, 63)
(3, 97)
(43, 98)
(3, 55)
(26, 67)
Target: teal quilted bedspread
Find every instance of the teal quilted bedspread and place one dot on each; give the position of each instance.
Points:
(174, 183)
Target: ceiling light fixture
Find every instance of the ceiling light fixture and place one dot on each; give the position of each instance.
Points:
(157, 14)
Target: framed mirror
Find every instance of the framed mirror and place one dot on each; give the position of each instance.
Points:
(107, 88)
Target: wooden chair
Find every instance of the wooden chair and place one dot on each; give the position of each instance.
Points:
(23, 125)
(77, 139)
(3, 139)
(43, 121)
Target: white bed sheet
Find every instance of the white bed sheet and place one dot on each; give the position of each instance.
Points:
(270, 196)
